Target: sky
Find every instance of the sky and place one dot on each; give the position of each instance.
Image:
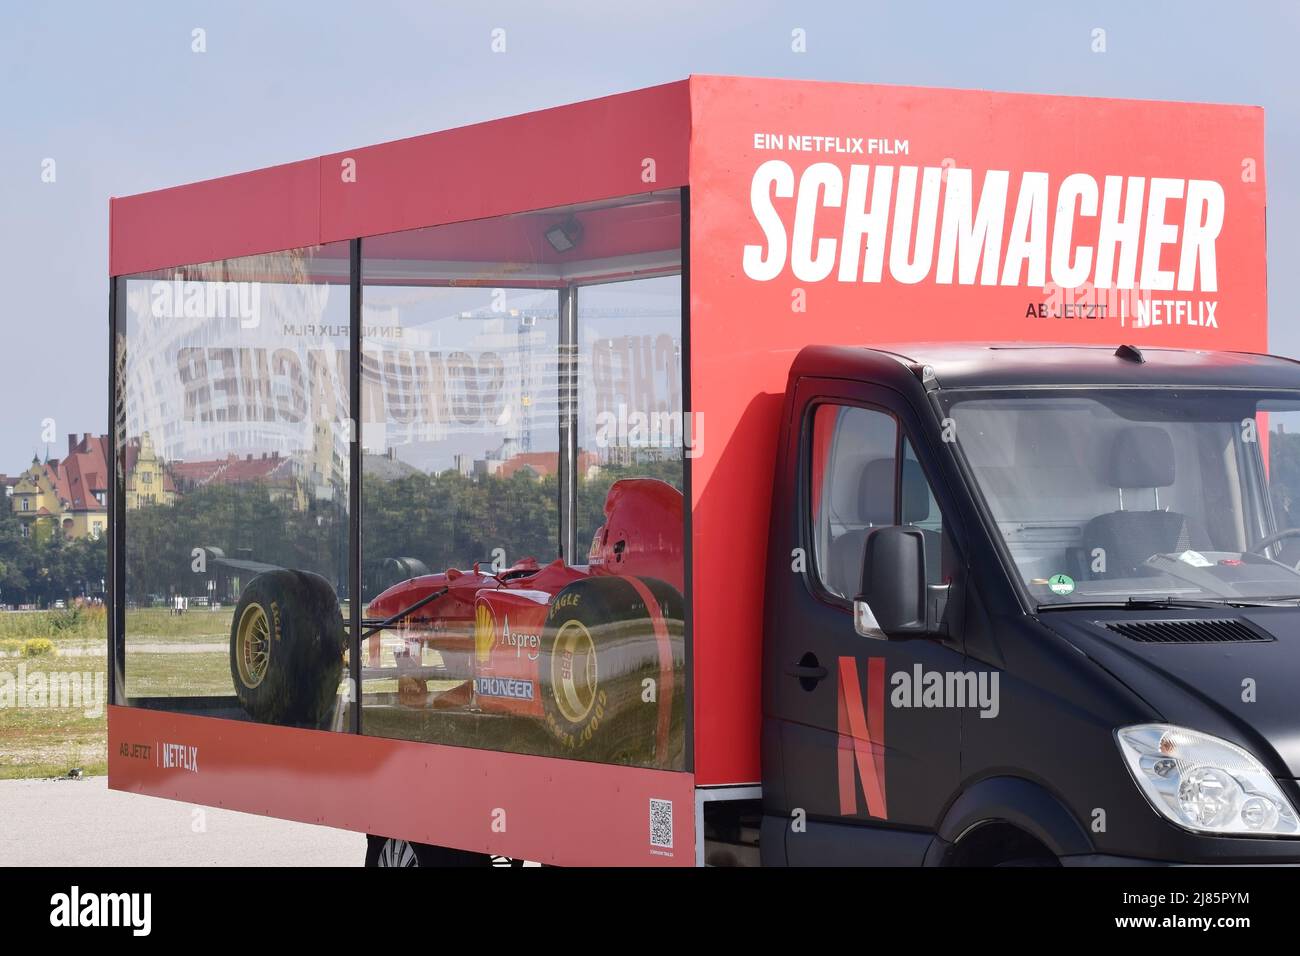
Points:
(115, 95)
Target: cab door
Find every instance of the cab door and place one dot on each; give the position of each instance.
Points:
(869, 758)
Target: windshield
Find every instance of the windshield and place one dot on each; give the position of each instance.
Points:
(1135, 495)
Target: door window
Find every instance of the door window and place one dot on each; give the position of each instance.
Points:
(865, 475)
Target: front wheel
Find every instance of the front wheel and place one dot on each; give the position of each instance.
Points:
(286, 648)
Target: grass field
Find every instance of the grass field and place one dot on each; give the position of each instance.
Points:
(187, 656)
(44, 741)
(72, 624)
(157, 625)
(41, 740)
(153, 625)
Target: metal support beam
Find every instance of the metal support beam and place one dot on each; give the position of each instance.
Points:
(354, 485)
(568, 415)
(114, 596)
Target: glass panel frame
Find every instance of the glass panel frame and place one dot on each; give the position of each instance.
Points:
(415, 672)
(569, 543)
(228, 384)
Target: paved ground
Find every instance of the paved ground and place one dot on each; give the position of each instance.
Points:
(83, 823)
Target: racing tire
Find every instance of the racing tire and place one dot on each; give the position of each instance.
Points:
(286, 648)
(610, 672)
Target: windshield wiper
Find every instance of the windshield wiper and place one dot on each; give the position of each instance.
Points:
(1151, 604)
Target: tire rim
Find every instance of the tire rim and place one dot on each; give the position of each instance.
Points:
(397, 853)
(253, 645)
(573, 672)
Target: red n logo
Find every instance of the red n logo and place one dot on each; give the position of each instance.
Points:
(862, 737)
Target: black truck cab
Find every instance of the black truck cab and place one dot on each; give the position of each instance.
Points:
(1034, 605)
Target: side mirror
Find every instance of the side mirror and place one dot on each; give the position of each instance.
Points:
(895, 600)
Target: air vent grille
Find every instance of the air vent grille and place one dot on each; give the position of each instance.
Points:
(1189, 631)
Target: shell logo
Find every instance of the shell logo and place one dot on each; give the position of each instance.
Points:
(484, 628)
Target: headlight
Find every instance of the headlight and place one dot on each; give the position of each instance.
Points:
(1204, 783)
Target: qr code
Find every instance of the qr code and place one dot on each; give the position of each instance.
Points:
(661, 823)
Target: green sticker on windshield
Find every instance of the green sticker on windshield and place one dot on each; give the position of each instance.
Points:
(1061, 584)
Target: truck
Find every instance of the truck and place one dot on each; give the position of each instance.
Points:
(758, 473)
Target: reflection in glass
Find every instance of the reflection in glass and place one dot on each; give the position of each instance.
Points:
(233, 448)
(630, 390)
(1161, 494)
(501, 371)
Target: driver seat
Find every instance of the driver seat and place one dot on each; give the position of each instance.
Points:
(1141, 456)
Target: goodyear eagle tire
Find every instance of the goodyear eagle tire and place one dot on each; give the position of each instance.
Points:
(610, 682)
(286, 648)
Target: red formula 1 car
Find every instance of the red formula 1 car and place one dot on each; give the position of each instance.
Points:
(594, 653)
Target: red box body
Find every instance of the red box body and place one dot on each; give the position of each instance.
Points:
(819, 213)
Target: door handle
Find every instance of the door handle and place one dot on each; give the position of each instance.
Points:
(807, 673)
(807, 669)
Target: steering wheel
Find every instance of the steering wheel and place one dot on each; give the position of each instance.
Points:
(1273, 539)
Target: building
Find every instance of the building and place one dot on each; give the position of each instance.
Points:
(543, 464)
(508, 460)
(386, 466)
(36, 499)
(148, 481)
(281, 475)
(70, 495)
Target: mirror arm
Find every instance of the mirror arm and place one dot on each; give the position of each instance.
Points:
(936, 604)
